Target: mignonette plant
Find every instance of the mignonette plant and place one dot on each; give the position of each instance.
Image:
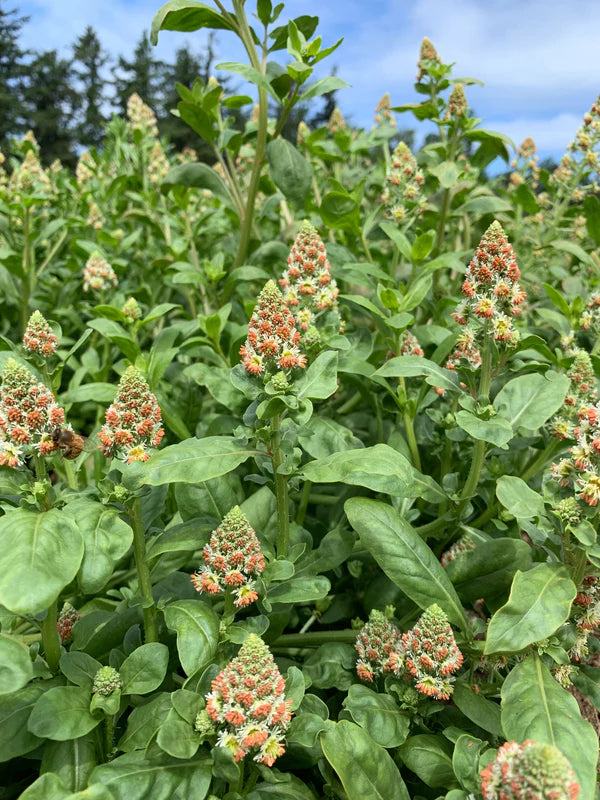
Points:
(300, 448)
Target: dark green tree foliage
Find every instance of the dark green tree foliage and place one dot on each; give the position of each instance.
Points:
(187, 67)
(11, 74)
(49, 101)
(143, 74)
(89, 61)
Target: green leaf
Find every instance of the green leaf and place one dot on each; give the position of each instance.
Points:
(90, 392)
(591, 207)
(144, 723)
(526, 199)
(322, 437)
(79, 668)
(144, 670)
(106, 539)
(320, 380)
(430, 757)
(404, 556)
(72, 761)
(447, 173)
(530, 400)
(15, 709)
(331, 665)
(300, 590)
(40, 561)
(194, 461)
(50, 786)
(575, 250)
(365, 769)
(16, 669)
(198, 176)
(197, 628)
(415, 366)
(536, 707)
(495, 430)
(465, 761)
(484, 205)
(340, 211)
(290, 171)
(539, 602)
(134, 777)
(186, 15)
(63, 713)
(521, 501)
(487, 571)
(478, 709)
(398, 238)
(380, 468)
(251, 75)
(323, 86)
(423, 245)
(378, 714)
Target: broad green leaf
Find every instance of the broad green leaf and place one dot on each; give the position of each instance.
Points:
(322, 437)
(331, 665)
(415, 366)
(198, 176)
(378, 714)
(194, 461)
(63, 713)
(591, 206)
(423, 245)
(99, 631)
(251, 75)
(536, 707)
(197, 628)
(575, 250)
(79, 668)
(495, 430)
(530, 400)
(90, 392)
(365, 769)
(465, 761)
(339, 210)
(320, 379)
(16, 669)
(477, 708)
(521, 501)
(39, 555)
(429, 757)
(144, 670)
(404, 556)
(177, 736)
(186, 15)
(539, 602)
(287, 787)
(300, 590)
(290, 171)
(487, 571)
(144, 723)
(398, 238)
(484, 205)
(15, 709)
(106, 539)
(72, 761)
(50, 786)
(134, 777)
(380, 468)
(446, 173)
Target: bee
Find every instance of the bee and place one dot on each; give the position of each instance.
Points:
(68, 441)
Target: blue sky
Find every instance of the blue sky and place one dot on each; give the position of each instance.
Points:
(537, 58)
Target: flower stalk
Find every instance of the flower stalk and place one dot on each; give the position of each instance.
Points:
(143, 571)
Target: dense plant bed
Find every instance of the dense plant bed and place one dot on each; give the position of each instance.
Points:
(300, 452)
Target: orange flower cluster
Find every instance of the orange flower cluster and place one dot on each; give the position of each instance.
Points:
(529, 771)
(39, 336)
(377, 644)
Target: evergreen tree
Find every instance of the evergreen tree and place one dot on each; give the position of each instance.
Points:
(90, 58)
(143, 74)
(49, 101)
(12, 71)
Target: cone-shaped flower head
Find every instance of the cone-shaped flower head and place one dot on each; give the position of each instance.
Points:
(133, 420)
(98, 274)
(457, 102)
(273, 341)
(427, 55)
(28, 415)
(140, 116)
(39, 336)
(158, 165)
(378, 645)
(307, 283)
(529, 771)
(303, 132)
(66, 619)
(590, 319)
(232, 559)
(463, 545)
(336, 121)
(85, 170)
(409, 345)
(30, 178)
(431, 654)
(493, 295)
(247, 702)
(403, 186)
(581, 395)
(106, 681)
(383, 114)
(132, 309)
(581, 468)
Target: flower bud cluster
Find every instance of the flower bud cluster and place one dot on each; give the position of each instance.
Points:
(106, 681)
(582, 151)
(158, 165)
(140, 116)
(466, 349)
(529, 771)
(273, 341)
(85, 170)
(94, 219)
(187, 155)
(585, 614)
(582, 393)
(463, 545)
(526, 165)
(378, 645)
(431, 654)
(457, 102)
(307, 283)
(590, 319)
(232, 559)
(493, 295)
(402, 194)
(248, 702)
(28, 415)
(383, 114)
(30, 178)
(409, 345)
(428, 57)
(133, 421)
(336, 121)
(98, 274)
(303, 133)
(581, 468)
(132, 309)
(39, 336)
(66, 619)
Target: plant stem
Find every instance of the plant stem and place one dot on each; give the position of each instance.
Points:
(281, 490)
(50, 640)
(109, 732)
(540, 459)
(143, 572)
(26, 279)
(409, 429)
(304, 500)
(228, 606)
(70, 475)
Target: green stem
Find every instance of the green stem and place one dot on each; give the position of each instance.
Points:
(143, 572)
(109, 732)
(281, 490)
(304, 500)
(26, 280)
(314, 639)
(431, 528)
(50, 640)
(228, 606)
(365, 245)
(70, 474)
(409, 429)
(56, 247)
(540, 460)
